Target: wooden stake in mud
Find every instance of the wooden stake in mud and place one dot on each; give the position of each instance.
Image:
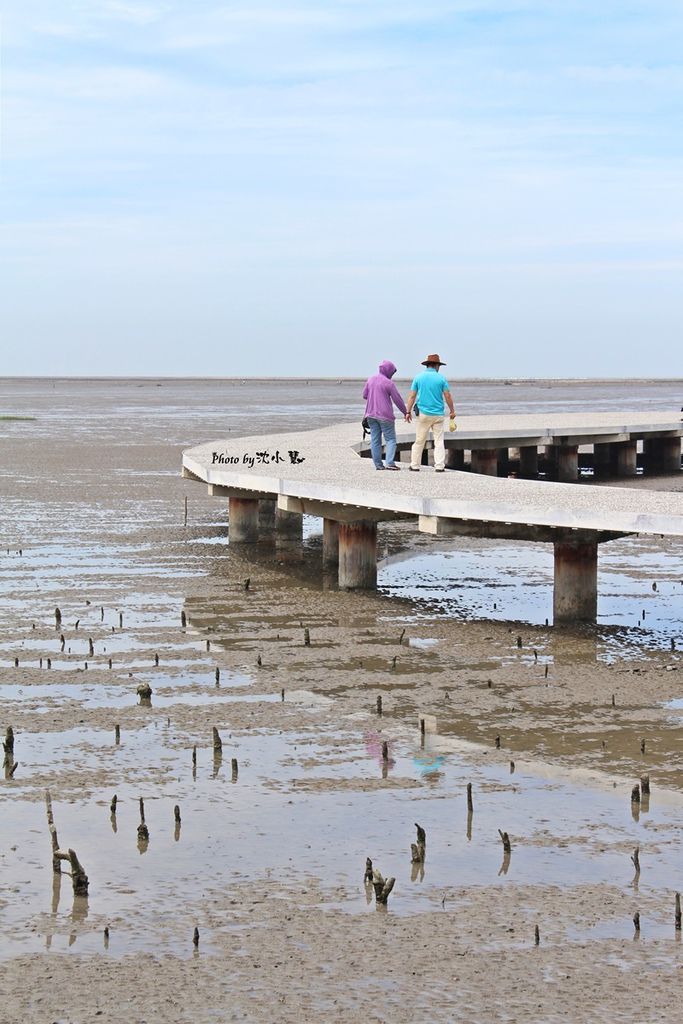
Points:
(512, 767)
(16, 663)
(635, 857)
(144, 692)
(282, 694)
(636, 922)
(635, 794)
(101, 613)
(614, 702)
(497, 742)
(58, 618)
(400, 639)
(519, 641)
(208, 645)
(247, 583)
(645, 785)
(194, 757)
(183, 619)
(385, 752)
(176, 814)
(112, 805)
(545, 674)
(110, 663)
(379, 705)
(117, 734)
(307, 638)
(62, 642)
(143, 831)
(642, 746)
(505, 839)
(382, 888)
(418, 849)
(677, 915)
(259, 661)
(9, 764)
(195, 938)
(367, 877)
(235, 769)
(79, 879)
(91, 647)
(106, 938)
(156, 660)
(217, 742)
(537, 936)
(217, 675)
(185, 512)
(120, 620)
(470, 805)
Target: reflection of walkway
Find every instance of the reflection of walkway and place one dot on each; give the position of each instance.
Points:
(269, 493)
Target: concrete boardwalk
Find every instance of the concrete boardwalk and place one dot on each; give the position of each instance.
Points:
(333, 481)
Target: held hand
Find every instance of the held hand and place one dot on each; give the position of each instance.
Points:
(408, 418)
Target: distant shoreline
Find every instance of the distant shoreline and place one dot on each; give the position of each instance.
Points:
(511, 381)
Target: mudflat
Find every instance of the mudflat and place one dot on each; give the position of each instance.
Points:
(552, 729)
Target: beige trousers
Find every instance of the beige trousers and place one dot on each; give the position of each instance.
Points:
(423, 425)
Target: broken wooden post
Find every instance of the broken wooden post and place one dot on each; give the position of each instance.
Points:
(470, 805)
(645, 785)
(307, 638)
(183, 619)
(143, 831)
(217, 675)
(9, 764)
(379, 705)
(642, 746)
(79, 879)
(367, 877)
(635, 857)
(144, 692)
(109, 663)
(505, 839)
(282, 694)
(117, 734)
(512, 767)
(537, 936)
(382, 888)
(217, 742)
(247, 583)
(91, 647)
(235, 769)
(519, 641)
(156, 660)
(120, 620)
(49, 662)
(635, 794)
(259, 661)
(194, 757)
(636, 922)
(385, 751)
(112, 805)
(102, 613)
(58, 618)
(614, 703)
(400, 639)
(185, 512)
(195, 938)
(497, 742)
(106, 938)
(62, 642)
(677, 915)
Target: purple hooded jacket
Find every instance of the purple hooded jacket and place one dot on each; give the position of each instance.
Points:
(379, 392)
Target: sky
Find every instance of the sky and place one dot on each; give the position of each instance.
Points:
(306, 187)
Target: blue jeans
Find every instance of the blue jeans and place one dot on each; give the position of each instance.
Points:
(377, 428)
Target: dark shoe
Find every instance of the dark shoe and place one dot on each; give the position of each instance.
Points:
(439, 471)
(414, 470)
(379, 467)
(393, 466)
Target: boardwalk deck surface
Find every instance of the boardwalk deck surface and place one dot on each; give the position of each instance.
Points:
(332, 472)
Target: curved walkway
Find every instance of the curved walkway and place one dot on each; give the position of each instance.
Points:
(272, 480)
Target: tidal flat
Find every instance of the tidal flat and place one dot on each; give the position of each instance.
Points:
(551, 728)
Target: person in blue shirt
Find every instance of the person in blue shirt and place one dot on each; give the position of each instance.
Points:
(428, 391)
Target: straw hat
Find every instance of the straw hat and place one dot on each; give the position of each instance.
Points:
(433, 359)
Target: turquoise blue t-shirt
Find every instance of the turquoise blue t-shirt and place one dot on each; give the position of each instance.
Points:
(430, 386)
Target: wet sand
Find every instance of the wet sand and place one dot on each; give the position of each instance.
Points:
(269, 864)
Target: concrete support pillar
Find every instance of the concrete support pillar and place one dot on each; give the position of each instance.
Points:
(528, 461)
(627, 456)
(662, 455)
(566, 459)
(266, 514)
(288, 525)
(243, 520)
(358, 555)
(485, 460)
(575, 594)
(603, 460)
(503, 462)
(330, 543)
(455, 458)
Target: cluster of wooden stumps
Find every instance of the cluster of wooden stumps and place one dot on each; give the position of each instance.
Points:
(79, 879)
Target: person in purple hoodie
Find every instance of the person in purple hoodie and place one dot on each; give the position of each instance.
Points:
(379, 393)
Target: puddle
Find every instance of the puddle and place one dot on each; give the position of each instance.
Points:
(328, 789)
(466, 582)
